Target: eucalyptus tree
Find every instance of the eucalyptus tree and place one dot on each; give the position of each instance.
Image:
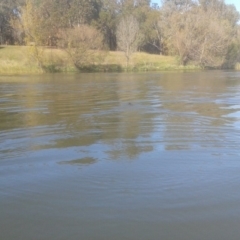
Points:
(9, 11)
(152, 31)
(107, 22)
(43, 19)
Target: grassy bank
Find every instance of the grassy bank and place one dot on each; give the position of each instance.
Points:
(20, 60)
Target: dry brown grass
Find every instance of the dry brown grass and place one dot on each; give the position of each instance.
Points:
(18, 60)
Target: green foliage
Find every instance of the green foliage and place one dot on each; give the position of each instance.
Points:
(101, 68)
(232, 56)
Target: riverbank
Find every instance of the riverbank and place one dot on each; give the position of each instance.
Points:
(20, 60)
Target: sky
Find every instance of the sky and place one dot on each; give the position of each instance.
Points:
(235, 2)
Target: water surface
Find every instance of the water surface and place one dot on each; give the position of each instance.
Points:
(120, 156)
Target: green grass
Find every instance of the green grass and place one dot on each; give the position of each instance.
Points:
(141, 61)
(14, 60)
(19, 60)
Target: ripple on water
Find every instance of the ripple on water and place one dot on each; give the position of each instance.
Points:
(114, 151)
(80, 161)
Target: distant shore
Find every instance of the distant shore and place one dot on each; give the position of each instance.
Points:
(18, 60)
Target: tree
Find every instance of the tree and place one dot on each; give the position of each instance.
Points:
(152, 31)
(106, 22)
(128, 36)
(43, 19)
(35, 35)
(202, 33)
(178, 5)
(34, 23)
(9, 10)
(83, 44)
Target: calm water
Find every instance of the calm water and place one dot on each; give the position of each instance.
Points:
(152, 156)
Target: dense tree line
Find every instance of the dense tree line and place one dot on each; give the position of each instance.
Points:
(204, 32)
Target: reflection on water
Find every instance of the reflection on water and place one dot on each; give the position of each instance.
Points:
(120, 156)
(127, 114)
(81, 161)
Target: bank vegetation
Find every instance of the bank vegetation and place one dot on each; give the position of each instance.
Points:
(87, 35)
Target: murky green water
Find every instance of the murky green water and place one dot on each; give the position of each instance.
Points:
(152, 156)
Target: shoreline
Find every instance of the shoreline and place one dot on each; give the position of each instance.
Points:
(17, 60)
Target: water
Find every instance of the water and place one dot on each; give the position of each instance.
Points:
(120, 156)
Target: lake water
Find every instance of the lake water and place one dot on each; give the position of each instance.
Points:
(151, 156)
